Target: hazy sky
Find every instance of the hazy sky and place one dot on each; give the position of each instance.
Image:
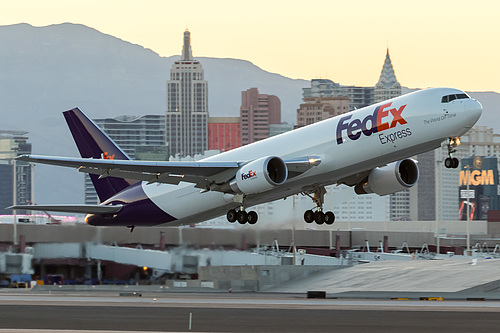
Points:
(432, 43)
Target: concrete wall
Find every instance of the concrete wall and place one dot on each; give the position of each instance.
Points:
(241, 238)
(208, 237)
(256, 278)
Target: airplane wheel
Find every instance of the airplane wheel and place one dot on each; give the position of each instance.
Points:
(454, 162)
(252, 217)
(242, 217)
(448, 162)
(309, 216)
(319, 217)
(231, 215)
(329, 217)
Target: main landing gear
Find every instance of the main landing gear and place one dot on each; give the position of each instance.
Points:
(242, 216)
(450, 161)
(318, 216)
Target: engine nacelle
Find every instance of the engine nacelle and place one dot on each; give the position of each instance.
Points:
(260, 175)
(391, 178)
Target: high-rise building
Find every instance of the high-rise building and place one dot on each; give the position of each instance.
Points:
(187, 105)
(387, 86)
(359, 97)
(129, 132)
(224, 133)
(316, 109)
(12, 144)
(257, 112)
(138, 136)
(321, 88)
(277, 129)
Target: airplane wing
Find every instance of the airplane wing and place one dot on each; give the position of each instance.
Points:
(204, 174)
(79, 209)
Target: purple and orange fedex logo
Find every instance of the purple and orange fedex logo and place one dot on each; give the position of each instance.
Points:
(248, 175)
(377, 122)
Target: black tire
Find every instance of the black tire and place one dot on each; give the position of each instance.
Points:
(309, 216)
(448, 163)
(252, 217)
(242, 217)
(319, 217)
(329, 218)
(231, 216)
(454, 163)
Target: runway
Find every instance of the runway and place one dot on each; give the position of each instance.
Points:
(252, 312)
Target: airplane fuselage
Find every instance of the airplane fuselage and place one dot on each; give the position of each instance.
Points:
(347, 144)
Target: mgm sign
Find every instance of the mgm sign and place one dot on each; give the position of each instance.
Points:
(479, 175)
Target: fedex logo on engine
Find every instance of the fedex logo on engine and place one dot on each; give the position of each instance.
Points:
(248, 175)
(377, 122)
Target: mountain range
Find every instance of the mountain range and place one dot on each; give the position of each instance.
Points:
(46, 70)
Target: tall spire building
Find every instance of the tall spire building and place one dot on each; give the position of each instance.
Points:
(387, 86)
(186, 120)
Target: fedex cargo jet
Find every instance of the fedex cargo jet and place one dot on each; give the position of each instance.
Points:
(368, 149)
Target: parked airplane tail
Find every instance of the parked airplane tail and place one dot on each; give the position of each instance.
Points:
(92, 142)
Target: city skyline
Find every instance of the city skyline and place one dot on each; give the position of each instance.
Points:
(446, 43)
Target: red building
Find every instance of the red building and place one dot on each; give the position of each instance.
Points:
(224, 133)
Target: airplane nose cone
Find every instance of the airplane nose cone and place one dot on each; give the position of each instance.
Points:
(473, 109)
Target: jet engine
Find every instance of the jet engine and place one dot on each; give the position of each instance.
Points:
(260, 175)
(391, 178)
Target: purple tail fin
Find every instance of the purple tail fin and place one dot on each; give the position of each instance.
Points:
(92, 142)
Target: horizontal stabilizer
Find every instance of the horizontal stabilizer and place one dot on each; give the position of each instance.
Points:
(79, 209)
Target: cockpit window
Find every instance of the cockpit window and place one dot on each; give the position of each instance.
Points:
(450, 98)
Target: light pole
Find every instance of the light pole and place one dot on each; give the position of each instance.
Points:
(436, 210)
(14, 200)
(467, 227)
(467, 171)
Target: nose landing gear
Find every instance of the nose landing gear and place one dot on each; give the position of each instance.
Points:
(450, 161)
(318, 216)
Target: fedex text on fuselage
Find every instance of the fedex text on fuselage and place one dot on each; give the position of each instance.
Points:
(383, 118)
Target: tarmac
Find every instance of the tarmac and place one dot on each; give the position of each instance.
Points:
(28, 312)
(390, 296)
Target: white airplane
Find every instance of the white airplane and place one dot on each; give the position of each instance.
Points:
(368, 149)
